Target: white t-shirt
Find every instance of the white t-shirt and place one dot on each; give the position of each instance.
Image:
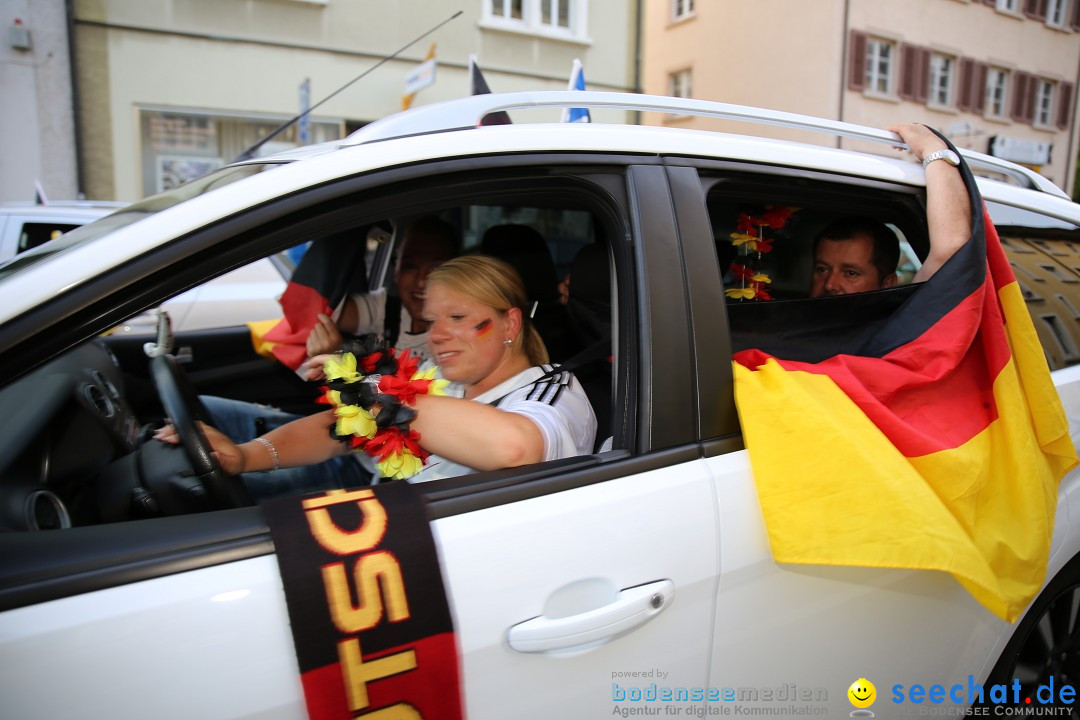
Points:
(557, 405)
(371, 314)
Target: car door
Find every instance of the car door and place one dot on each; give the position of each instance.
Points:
(578, 584)
(580, 549)
(797, 636)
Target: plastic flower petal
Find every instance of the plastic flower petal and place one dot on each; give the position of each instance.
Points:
(400, 465)
(738, 239)
(748, 223)
(342, 367)
(434, 386)
(354, 420)
(746, 293)
(740, 271)
(761, 278)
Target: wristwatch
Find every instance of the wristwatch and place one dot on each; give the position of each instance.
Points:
(944, 154)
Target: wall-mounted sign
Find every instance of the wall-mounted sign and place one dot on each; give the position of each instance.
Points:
(1018, 150)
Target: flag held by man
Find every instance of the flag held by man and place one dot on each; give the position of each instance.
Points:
(946, 438)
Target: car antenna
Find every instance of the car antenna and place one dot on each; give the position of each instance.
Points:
(250, 152)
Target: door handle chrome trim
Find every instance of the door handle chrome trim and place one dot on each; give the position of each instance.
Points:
(633, 607)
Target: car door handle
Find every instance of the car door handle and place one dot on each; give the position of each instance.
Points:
(632, 608)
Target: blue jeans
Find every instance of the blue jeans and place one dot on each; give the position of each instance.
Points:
(244, 421)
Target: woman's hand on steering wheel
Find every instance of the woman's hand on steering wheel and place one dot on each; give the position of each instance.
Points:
(228, 454)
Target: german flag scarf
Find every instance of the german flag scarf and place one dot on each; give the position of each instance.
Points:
(935, 441)
(370, 620)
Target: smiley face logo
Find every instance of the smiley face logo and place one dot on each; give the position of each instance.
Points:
(862, 693)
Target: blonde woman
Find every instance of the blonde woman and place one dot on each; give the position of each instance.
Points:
(515, 410)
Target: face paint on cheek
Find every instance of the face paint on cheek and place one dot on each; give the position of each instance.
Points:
(483, 329)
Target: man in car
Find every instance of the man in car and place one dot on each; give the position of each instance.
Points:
(427, 243)
(858, 254)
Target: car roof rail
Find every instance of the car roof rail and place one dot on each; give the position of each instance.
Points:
(467, 112)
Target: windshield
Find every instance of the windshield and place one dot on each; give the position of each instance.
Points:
(133, 213)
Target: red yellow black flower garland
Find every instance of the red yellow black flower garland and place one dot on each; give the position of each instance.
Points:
(753, 242)
(380, 378)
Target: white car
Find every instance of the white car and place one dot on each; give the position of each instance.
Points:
(119, 600)
(24, 226)
(248, 293)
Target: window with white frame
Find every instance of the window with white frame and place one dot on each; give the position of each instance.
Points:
(1055, 13)
(679, 84)
(555, 13)
(1007, 5)
(1044, 102)
(997, 86)
(681, 9)
(509, 9)
(880, 56)
(561, 18)
(942, 78)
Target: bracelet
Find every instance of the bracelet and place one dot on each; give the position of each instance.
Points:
(273, 452)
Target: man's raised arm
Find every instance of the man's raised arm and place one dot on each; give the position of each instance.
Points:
(948, 209)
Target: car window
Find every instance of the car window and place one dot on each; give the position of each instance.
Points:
(130, 214)
(1046, 263)
(560, 233)
(763, 236)
(38, 233)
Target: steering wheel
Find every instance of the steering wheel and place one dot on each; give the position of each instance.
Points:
(184, 408)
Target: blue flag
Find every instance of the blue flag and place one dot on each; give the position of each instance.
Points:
(577, 82)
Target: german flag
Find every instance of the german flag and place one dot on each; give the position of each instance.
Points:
(936, 440)
(331, 268)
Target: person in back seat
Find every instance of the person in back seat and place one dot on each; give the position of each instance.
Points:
(858, 255)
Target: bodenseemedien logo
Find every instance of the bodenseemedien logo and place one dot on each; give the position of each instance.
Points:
(862, 695)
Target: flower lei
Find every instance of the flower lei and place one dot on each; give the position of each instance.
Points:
(379, 378)
(753, 242)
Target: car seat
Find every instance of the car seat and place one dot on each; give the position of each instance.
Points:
(589, 310)
(527, 252)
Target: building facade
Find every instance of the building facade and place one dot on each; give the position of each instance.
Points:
(997, 76)
(169, 89)
(37, 123)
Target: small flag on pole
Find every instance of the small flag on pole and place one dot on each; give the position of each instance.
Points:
(577, 82)
(477, 86)
(419, 78)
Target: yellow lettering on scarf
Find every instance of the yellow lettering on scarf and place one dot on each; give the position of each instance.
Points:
(359, 673)
(401, 711)
(370, 571)
(346, 542)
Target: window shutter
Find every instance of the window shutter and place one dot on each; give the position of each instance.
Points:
(978, 88)
(1029, 98)
(1031, 9)
(991, 3)
(922, 69)
(1020, 80)
(1065, 103)
(965, 99)
(857, 61)
(1076, 15)
(909, 71)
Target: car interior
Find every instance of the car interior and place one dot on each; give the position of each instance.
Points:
(83, 453)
